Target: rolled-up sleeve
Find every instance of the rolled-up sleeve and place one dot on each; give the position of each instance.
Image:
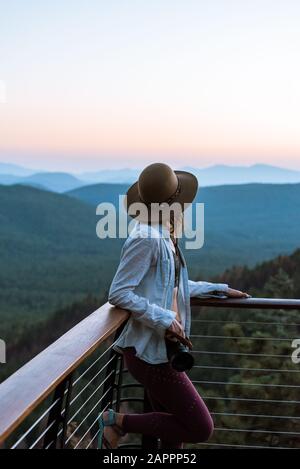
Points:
(136, 258)
(207, 289)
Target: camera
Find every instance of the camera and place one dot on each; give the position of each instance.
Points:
(179, 356)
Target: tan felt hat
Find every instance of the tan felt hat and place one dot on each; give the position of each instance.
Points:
(158, 183)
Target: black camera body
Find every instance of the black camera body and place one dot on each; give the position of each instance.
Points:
(179, 355)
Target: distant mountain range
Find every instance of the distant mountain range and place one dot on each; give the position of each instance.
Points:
(120, 176)
(15, 170)
(210, 176)
(55, 182)
(221, 174)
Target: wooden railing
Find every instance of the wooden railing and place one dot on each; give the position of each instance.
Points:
(21, 393)
(51, 375)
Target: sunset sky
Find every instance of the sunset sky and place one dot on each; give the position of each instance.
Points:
(98, 84)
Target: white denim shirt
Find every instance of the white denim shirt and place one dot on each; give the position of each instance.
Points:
(143, 284)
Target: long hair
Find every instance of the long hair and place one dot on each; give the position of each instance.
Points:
(176, 227)
(174, 223)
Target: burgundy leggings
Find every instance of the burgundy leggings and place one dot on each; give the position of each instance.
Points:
(179, 414)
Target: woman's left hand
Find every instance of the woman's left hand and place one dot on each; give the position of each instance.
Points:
(231, 293)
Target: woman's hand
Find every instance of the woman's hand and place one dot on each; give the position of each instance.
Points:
(231, 293)
(176, 330)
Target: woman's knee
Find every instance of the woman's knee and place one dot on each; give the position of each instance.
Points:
(202, 430)
(207, 430)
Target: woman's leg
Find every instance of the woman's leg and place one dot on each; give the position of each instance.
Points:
(157, 407)
(186, 418)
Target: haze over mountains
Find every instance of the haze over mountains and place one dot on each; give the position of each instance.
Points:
(54, 181)
(14, 170)
(210, 176)
(221, 174)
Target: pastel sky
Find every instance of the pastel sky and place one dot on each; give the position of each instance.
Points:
(103, 83)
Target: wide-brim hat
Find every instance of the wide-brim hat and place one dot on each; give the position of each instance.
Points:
(158, 183)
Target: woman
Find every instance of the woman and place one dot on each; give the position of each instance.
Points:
(152, 283)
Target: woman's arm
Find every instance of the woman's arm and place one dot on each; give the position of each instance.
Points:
(207, 289)
(219, 290)
(136, 258)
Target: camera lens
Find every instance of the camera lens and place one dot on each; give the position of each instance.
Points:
(180, 357)
(182, 361)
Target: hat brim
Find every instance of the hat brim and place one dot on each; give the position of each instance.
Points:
(188, 190)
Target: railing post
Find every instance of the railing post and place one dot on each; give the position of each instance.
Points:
(111, 371)
(59, 415)
(66, 412)
(119, 383)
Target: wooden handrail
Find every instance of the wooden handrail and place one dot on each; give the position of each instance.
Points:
(22, 392)
(255, 303)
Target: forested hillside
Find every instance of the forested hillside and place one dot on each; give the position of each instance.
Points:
(36, 337)
(275, 278)
(50, 255)
(244, 224)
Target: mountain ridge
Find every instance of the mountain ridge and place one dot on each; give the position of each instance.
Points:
(53, 181)
(215, 175)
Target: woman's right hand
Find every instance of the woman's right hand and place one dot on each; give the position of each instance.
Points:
(176, 330)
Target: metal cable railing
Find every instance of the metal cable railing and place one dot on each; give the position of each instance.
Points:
(232, 383)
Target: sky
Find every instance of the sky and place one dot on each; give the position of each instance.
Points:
(98, 84)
